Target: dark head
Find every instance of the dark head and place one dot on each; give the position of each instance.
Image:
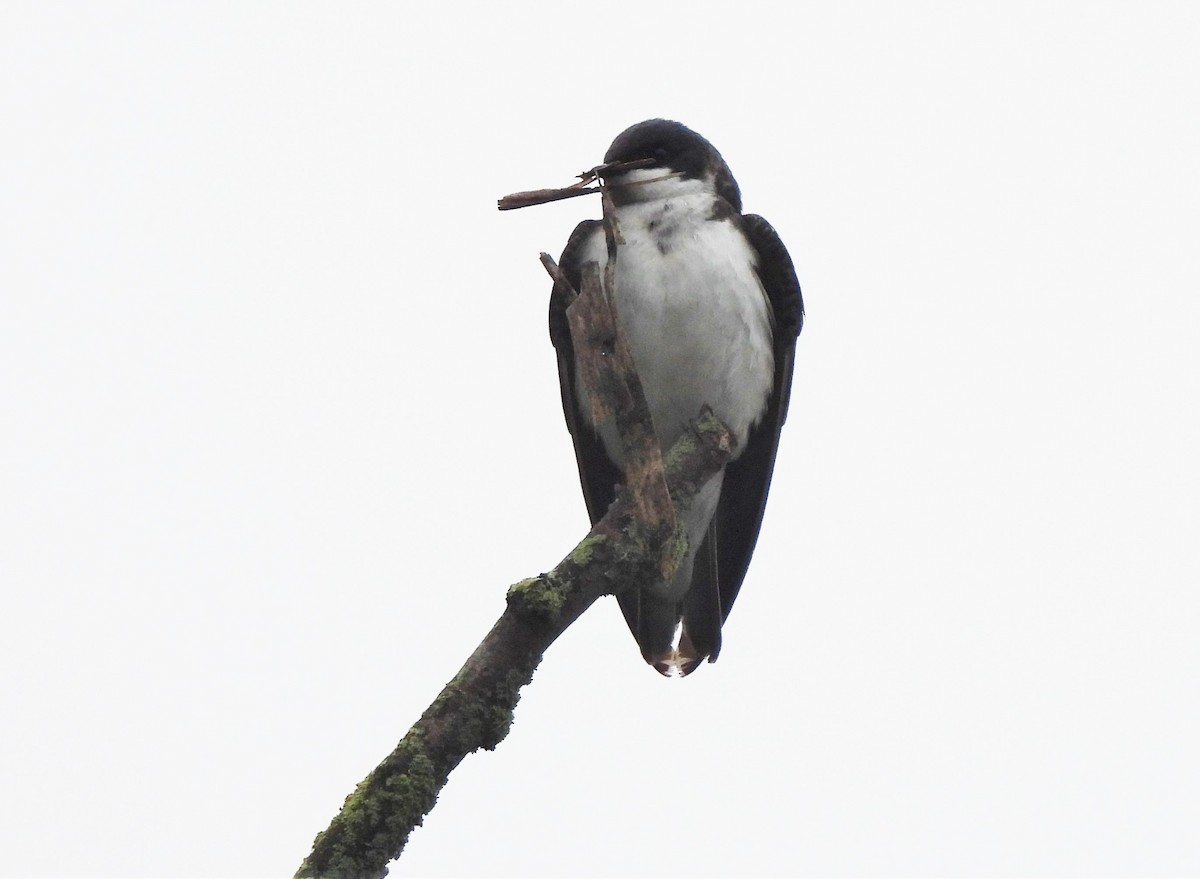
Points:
(674, 148)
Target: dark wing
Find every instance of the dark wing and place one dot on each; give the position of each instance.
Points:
(725, 554)
(597, 474)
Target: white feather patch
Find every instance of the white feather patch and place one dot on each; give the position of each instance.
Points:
(694, 312)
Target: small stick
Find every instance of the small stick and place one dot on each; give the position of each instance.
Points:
(543, 196)
(540, 196)
(562, 287)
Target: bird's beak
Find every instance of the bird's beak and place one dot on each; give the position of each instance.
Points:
(612, 169)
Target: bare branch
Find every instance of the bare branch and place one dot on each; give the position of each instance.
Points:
(633, 544)
(475, 709)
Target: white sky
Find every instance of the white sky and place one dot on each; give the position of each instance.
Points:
(281, 424)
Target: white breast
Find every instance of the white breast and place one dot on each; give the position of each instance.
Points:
(695, 313)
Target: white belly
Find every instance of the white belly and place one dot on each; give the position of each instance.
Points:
(695, 314)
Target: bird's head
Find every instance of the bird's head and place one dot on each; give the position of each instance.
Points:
(680, 160)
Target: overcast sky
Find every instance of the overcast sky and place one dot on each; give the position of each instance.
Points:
(281, 424)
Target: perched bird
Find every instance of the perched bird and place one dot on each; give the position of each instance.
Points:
(709, 302)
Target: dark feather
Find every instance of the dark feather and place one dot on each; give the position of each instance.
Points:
(724, 557)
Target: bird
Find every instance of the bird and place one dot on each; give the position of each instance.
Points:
(709, 302)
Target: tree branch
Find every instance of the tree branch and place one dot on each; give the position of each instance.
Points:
(636, 542)
(475, 709)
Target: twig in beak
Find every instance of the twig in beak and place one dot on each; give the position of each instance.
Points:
(543, 196)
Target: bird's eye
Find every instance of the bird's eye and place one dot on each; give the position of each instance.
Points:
(660, 156)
